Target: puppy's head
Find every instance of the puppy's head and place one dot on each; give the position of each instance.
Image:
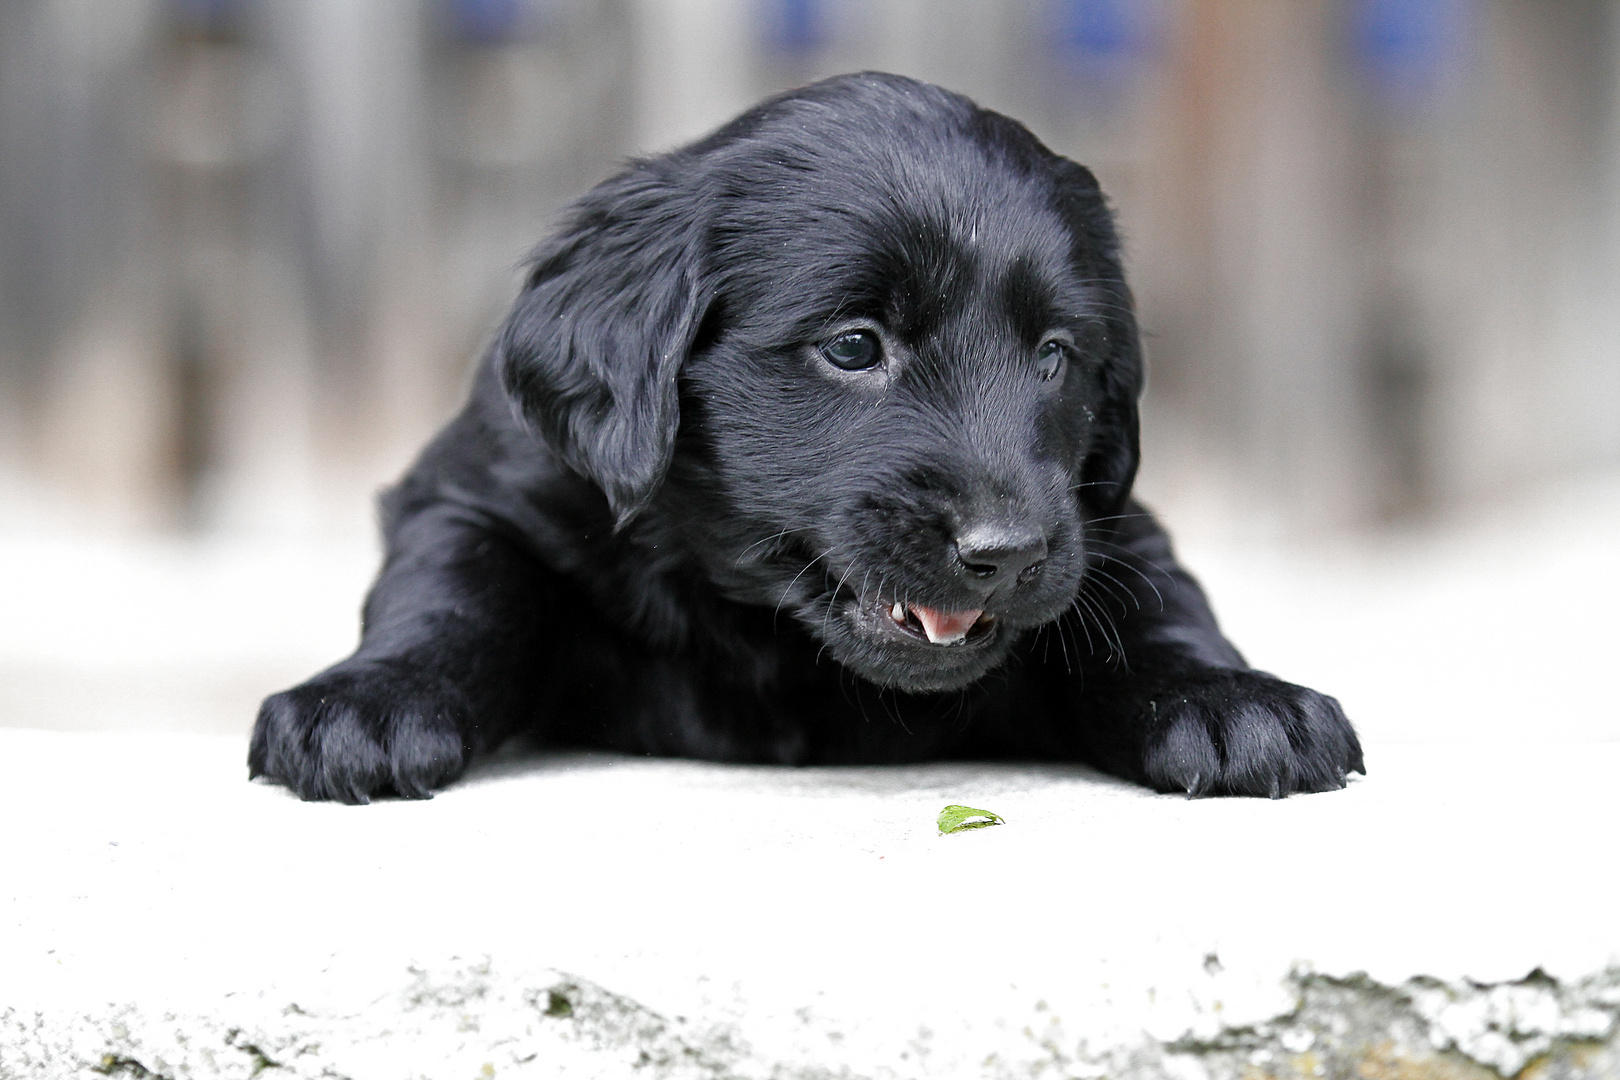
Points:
(868, 348)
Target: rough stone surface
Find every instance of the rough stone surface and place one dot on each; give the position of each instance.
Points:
(469, 1020)
(1451, 917)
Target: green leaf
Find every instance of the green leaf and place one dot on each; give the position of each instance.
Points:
(956, 818)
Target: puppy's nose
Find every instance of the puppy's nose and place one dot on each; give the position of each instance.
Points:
(1001, 551)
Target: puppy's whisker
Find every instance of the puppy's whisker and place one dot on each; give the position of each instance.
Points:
(1133, 568)
(741, 555)
(891, 708)
(1084, 629)
(1114, 582)
(1113, 627)
(1105, 627)
(1109, 597)
(832, 598)
(1119, 641)
(1079, 663)
(1112, 517)
(783, 598)
(1063, 646)
(1127, 557)
(1087, 616)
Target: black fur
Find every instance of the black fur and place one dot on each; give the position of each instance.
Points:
(666, 523)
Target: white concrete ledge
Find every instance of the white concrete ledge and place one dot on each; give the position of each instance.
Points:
(1451, 916)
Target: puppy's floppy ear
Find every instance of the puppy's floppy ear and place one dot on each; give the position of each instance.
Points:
(1110, 468)
(592, 349)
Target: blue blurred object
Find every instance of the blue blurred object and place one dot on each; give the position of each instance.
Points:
(1102, 46)
(793, 27)
(1106, 30)
(207, 16)
(1406, 48)
(490, 22)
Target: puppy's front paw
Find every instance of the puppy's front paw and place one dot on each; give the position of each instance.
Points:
(361, 728)
(1246, 733)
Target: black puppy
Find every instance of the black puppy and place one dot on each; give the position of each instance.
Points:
(809, 443)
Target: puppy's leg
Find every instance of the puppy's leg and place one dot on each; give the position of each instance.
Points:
(1164, 699)
(449, 657)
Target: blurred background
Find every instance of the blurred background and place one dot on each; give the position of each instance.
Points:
(250, 250)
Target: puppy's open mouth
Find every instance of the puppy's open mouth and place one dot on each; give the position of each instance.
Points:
(935, 626)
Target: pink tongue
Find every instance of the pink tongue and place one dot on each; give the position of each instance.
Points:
(945, 627)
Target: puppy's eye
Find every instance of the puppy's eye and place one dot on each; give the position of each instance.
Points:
(854, 351)
(1049, 359)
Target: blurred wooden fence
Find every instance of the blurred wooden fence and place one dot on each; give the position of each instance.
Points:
(249, 248)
